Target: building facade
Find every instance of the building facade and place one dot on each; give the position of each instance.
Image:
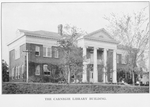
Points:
(99, 48)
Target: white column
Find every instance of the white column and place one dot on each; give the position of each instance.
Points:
(84, 75)
(105, 66)
(95, 73)
(27, 68)
(114, 67)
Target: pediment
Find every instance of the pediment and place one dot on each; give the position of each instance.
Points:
(100, 34)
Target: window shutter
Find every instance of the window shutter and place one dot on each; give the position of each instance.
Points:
(120, 58)
(13, 73)
(49, 52)
(56, 53)
(117, 58)
(44, 51)
(18, 72)
(37, 51)
(37, 72)
(22, 70)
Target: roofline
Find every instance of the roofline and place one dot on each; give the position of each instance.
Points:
(92, 33)
(44, 37)
(32, 36)
(15, 40)
(101, 40)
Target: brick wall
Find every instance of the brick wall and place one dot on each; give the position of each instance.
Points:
(13, 63)
(40, 60)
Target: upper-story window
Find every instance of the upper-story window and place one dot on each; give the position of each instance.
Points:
(17, 52)
(37, 50)
(123, 59)
(56, 53)
(117, 59)
(12, 73)
(47, 51)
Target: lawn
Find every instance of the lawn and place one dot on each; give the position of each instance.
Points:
(48, 88)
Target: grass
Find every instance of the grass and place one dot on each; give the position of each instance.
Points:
(48, 88)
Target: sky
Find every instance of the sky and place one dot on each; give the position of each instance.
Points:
(47, 16)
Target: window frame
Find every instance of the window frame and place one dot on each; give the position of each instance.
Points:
(13, 73)
(123, 59)
(36, 70)
(118, 59)
(50, 51)
(22, 71)
(18, 72)
(47, 51)
(37, 49)
(46, 71)
(56, 53)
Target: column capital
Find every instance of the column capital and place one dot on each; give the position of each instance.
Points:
(105, 49)
(85, 46)
(114, 49)
(96, 47)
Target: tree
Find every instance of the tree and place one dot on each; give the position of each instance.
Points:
(72, 59)
(132, 31)
(5, 74)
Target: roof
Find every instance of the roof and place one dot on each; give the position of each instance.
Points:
(123, 47)
(91, 36)
(41, 33)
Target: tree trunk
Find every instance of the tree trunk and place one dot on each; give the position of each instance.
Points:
(133, 77)
(125, 77)
(68, 75)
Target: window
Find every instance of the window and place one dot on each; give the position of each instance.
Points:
(123, 59)
(37, 70)
(12, 73)
(111, 74)
(47, 51)
(37, 51)
(56, 53)
(17, 52)
(46, 70)
(117, 59)
(16, 72)
(22, 71)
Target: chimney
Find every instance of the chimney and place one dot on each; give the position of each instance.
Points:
(60, 27)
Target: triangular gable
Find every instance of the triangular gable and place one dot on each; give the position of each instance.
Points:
(100, 34)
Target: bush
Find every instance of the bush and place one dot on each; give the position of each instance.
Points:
(35, 79)
(24, 88)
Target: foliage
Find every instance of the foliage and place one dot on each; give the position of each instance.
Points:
(72, 59)
(132, 31)
(38, 88)
(5, 74)
(35, 79)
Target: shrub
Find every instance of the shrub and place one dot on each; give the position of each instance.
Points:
(35, 79)
(24, 88)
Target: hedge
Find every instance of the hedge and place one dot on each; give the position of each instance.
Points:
(44, 88)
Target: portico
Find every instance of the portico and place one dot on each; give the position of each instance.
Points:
(96, 47)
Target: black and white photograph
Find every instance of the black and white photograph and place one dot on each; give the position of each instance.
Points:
(68, 48)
